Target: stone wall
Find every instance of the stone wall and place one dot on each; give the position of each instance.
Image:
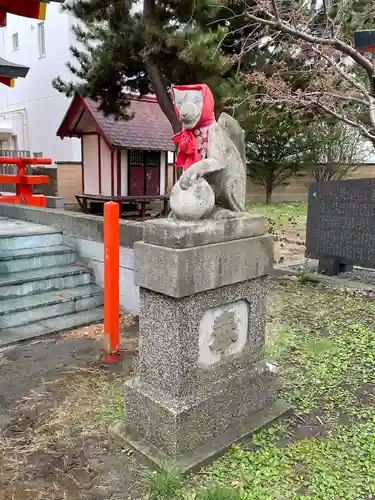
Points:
(49, 189)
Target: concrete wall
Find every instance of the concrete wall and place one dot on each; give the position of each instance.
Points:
(92, 253)
(49, 189)
(298, 188)
(295, 191)
(85, 233)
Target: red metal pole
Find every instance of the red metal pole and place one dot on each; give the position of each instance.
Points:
(111, 282)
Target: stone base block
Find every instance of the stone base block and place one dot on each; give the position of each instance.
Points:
(182, 272)
(170, 233)
(333, 267)
(55, 202)
(208, 452)
(177, 426)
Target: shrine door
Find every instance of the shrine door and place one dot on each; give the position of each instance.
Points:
(144, 172)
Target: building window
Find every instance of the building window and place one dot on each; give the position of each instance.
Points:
(38, 155)
(41, 40)
(15, 40)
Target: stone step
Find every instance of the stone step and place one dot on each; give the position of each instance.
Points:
(21, 284)
(16, 312)
(41, 238)
(31, 331)
(24, 259)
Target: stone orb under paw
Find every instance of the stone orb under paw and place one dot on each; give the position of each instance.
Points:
(194, 203)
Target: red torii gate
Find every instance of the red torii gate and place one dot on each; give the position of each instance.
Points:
(24, 183)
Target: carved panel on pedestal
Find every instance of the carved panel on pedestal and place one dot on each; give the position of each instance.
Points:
(223, 332)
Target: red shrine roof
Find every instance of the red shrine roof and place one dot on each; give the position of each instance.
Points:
(148, 130)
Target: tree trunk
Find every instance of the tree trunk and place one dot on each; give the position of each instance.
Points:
(155, 74)
(161, 93)
(269, 189)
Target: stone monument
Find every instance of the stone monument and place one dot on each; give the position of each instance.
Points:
(340, 230)
(202, 382)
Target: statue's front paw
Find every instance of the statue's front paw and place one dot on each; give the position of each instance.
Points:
(185, 182)
(223, 213)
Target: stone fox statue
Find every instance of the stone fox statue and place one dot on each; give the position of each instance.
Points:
(212, 154)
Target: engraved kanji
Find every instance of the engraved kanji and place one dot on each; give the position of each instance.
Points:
(224, 332)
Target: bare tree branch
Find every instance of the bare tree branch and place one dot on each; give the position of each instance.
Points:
(341, 72)
(372, 110)
(308, 104)
(329, 70)
(276, 11)
(343, 47)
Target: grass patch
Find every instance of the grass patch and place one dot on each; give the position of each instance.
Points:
(218, 493)
(164, 484)
(324, 344)
(282, 215)
(105, 396)
(96, 401)
(326, 349)
(339, 467)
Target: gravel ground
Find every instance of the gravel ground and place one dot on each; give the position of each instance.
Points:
(359, 275)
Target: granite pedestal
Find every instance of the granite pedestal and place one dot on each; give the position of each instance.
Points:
(202, 381)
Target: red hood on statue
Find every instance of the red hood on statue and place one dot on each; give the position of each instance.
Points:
(192, 102)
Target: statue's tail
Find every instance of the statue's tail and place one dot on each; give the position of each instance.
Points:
(235, 132)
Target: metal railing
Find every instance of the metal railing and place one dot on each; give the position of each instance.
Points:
(15, 153)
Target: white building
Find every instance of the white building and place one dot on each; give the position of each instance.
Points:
(31, 112)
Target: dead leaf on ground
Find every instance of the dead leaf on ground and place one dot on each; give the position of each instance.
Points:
(96, 331)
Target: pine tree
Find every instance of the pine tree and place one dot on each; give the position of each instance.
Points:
(146, 49)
